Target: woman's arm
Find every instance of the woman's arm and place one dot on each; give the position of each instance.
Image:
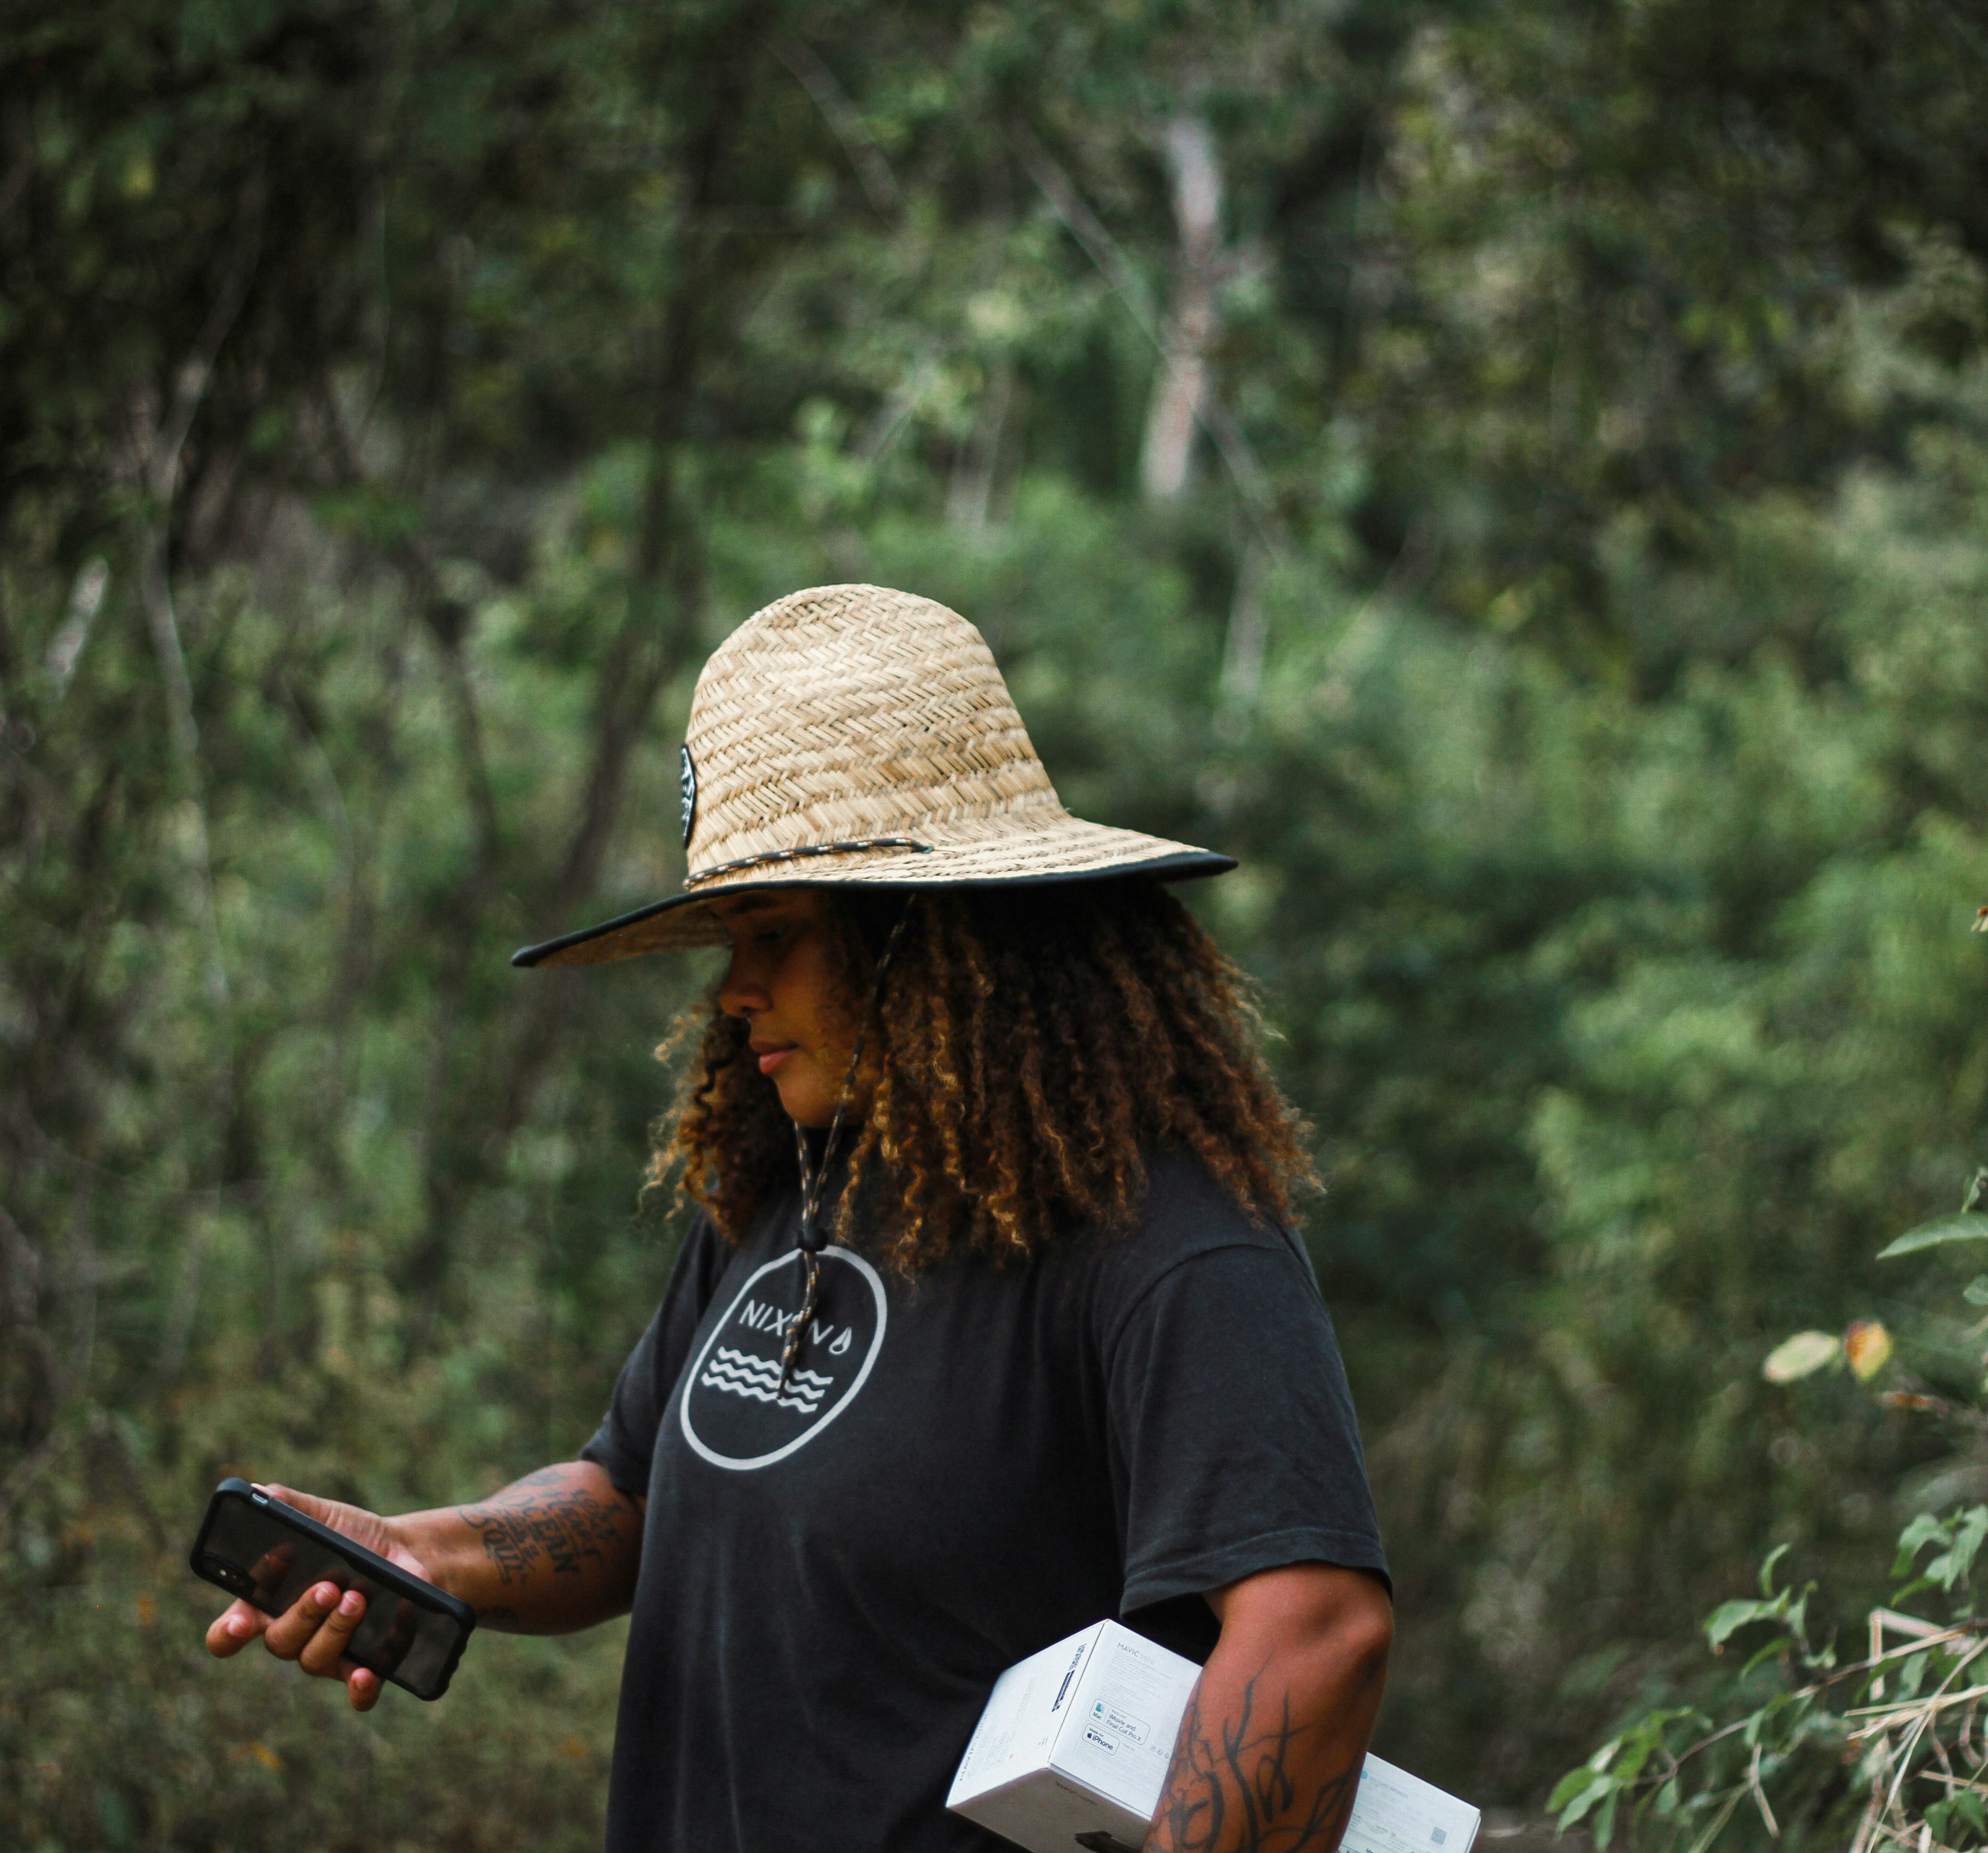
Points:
(1268, 1754)
(556, 1551)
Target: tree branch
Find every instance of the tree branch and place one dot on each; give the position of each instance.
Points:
(1084, 226)
(841, 116)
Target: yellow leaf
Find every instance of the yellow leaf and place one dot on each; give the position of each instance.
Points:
(1868, 1346)
(1796, 1357)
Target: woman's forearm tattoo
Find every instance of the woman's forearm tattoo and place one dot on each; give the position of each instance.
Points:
(545, 1520)
(1234, 1787)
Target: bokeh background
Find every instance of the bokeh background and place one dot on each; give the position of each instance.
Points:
(1513, 471)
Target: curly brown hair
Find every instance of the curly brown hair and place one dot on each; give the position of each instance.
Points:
(1027, 1048)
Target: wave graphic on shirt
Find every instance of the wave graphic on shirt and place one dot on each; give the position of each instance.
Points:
(744, 1375)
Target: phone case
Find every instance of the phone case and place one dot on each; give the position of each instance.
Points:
(370, 1564)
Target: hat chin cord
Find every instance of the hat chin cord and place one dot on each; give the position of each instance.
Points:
(814, 1178)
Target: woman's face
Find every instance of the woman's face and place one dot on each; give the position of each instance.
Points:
(783, 982)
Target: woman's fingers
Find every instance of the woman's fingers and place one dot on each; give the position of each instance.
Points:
(314, 1632)
(324, 1652)
(318, 1627)
(234, 1628)
(290, 1633)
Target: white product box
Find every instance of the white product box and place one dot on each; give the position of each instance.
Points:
(1073, 1746)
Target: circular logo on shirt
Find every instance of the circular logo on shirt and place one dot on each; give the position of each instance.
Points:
(735, 1410)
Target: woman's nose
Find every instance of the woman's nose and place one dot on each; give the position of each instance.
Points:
(740, 993)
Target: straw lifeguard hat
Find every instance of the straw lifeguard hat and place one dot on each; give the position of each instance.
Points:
(853, 736)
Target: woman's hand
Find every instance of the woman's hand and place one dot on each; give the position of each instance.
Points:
(556, 1551)
(315, 1631)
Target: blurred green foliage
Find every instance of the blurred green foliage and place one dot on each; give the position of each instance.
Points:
(1868, 1742)
(1571, 612)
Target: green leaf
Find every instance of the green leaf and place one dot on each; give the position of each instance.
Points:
(1772, 1651)
(1923, 1531)
(1727, 1802)
(1596, 1791)
(1967, 1534)
(1575, 1782)
(1767, 1567)
(1636, 1748)
(1729, 1617)
(1585, 1798)
(1798, 1614)
(1964, 1228)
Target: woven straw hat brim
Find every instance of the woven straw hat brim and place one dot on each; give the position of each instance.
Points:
(686, 920)
(858, 736)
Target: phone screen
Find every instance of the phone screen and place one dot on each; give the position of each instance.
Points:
(270, 1566)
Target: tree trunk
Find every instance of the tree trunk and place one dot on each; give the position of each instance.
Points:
(1193, 320)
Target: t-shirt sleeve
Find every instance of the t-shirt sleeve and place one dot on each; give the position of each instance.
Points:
(624, 1445)
(1235, 1447)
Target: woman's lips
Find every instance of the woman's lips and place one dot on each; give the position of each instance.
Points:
(771, 1058)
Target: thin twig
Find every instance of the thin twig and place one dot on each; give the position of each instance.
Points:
(1923, 1712)
(1884, 1619)
(1874, 1809)
(1912, 1708)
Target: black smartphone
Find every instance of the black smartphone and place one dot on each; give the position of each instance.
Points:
(268, 1553)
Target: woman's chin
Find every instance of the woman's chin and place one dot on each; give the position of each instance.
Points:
(805, 1106)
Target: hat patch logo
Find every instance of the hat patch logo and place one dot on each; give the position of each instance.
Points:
(687, 774)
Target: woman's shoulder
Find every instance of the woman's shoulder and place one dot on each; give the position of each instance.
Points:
(1188, 1213)
(705, 1252)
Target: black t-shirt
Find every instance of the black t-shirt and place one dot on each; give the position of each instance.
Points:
(960, 1469)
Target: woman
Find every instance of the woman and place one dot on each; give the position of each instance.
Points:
(990, 1324)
